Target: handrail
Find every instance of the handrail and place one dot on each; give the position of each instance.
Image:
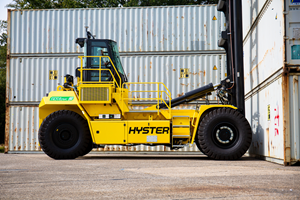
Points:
(194, 118)
(81, 69)
(159, 92)
(100, 76)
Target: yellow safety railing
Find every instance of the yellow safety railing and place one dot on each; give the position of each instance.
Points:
(98, 69)
(159, 98)
(193, 124)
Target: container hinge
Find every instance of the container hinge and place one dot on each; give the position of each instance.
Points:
(285, 12)
(286, 38)
(8, 57)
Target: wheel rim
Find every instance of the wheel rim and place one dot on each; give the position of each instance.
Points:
(225, 135)
(65, 136)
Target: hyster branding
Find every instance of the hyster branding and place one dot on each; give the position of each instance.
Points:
(149, 130)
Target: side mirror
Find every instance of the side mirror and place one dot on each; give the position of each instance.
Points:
(80, 41)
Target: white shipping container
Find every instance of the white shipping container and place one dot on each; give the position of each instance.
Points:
(23, 129)
(140, 29)
(294, 102)
(272, 65)
(264, 48)
(265, 115)
(252, 9)
(30, 78)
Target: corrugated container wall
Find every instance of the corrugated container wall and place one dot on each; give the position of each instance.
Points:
(295, 115)
(145, 29)
(264, 54)
(251, 11)
(155, 43)
(30, 80)
(272, 67)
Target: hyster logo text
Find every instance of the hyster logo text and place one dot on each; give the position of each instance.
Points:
(149, 130)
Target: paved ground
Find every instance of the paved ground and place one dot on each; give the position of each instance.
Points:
(123, 176)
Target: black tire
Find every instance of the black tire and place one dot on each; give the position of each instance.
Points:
(198, 145)
(88, 148)
(224, 134)
(64, 135)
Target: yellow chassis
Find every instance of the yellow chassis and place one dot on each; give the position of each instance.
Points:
(121, 131)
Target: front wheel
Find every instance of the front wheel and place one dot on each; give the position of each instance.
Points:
(65, 135)
(224, 134)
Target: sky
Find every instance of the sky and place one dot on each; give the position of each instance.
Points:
(3, 9)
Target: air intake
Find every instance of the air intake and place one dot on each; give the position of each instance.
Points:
(94, 94)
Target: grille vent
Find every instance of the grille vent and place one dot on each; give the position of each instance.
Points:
(94, 94)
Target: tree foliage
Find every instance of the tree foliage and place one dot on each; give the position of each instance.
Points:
(53, 4)
(3, 47)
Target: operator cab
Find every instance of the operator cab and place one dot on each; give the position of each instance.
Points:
(100, 47)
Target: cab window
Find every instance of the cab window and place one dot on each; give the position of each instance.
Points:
(99, 49)
(116, 57)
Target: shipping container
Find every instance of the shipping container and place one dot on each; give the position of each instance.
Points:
(140, 29)
(294, 116)
(272, 68)
(32, 78)
(23, 128)
(264, 112)
(264, 47)
(251, 11)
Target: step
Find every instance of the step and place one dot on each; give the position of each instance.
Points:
(180, 136)
(143, 111)
(181, 116)
(178, 146)
(181, 126)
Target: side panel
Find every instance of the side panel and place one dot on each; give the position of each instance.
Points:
(251, 10)
(30, 78)
(264, 48)
(94, 110)
(201, 70)
(265, 114)
(295, 116)
(292, 32)
(58, 100)
(143, 132)
(23, 128)
(109, 132)
(140, 29)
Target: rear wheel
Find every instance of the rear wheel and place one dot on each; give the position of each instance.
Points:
(65, 135)
(225, 134)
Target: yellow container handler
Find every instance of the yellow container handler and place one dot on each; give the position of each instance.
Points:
(98, 110)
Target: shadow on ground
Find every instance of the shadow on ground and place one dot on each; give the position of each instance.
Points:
(156, 157)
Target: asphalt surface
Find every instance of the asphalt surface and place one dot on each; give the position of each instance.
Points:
(124, 176)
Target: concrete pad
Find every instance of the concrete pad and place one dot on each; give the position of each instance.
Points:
(123, 176)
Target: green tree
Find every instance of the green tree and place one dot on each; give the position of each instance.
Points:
(3, 48)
